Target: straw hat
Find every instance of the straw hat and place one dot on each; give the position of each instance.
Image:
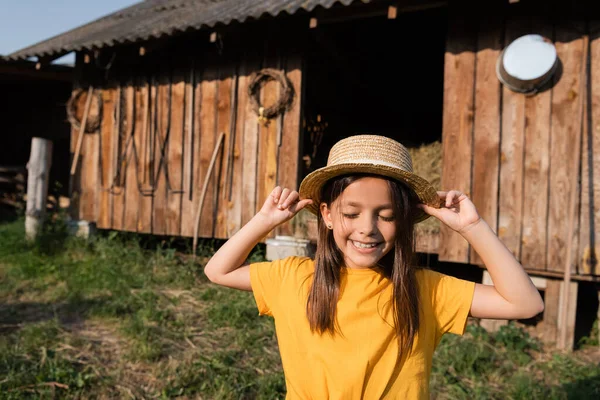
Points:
(370, 154)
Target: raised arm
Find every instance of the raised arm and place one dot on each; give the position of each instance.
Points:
(227, 266)
(513, 295)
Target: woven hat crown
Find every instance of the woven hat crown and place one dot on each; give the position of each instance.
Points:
(368, 154)
(370, 149)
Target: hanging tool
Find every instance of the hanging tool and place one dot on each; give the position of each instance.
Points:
(204, 187)
(86, 111)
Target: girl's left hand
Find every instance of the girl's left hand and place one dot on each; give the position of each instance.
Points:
(457, 211)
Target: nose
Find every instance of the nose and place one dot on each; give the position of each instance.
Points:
(367, 224)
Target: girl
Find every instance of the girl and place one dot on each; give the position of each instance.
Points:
(360, 321)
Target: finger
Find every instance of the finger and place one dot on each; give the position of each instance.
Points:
(453, 197)
(275, 194)
(284, 195)
(300, 205)
(429, 210)
(449, 197)
(289, 200)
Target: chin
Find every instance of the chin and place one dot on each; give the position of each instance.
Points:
(363, 262)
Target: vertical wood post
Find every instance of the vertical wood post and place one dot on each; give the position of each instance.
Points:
(40, 160)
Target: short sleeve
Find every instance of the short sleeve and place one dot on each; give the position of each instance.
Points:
(267, 280)
(451, 301)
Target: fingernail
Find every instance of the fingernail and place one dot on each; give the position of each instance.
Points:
(280, 206)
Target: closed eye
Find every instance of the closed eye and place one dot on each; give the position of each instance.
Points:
(387, 219)
(351, 216)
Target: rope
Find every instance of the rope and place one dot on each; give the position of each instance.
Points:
(93, 121)
(286, 94)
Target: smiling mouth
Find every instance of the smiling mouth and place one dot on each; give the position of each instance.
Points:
(361, 245)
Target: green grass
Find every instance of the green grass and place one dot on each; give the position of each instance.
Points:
(122, 316)
(509, 364)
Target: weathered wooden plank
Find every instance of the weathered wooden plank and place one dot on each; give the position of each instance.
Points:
(551, 308)
(127, 201)
(208, 121)
(250, 157)
(225, 107)
(146, 160)
(75, 179)
(268, 149)
(571, 316)
(290, 136)
(590, 167)
(457, 125)
(510, 202)
(117, 193)
(161, 159)
(105, 167)
(119, 114)
(191, 149)
(175, 155)
(536, 164)
(90, 154)
(235, 191)
(486, 129)
(566, 121)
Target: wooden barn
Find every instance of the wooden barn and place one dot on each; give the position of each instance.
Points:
(171, 78)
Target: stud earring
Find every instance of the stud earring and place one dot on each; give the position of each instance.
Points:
(329, 226)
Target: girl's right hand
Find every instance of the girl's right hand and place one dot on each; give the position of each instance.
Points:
(281, 205)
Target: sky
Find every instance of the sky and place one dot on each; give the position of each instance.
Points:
(26, 22)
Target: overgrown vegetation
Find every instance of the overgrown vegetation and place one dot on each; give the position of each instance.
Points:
(126, 316)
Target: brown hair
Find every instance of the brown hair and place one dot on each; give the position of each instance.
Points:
(396, 265)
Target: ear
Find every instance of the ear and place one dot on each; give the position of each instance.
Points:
(325, 213)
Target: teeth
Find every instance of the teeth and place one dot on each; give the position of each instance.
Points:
(364, 245)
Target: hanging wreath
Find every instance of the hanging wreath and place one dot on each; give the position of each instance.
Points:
(286, 96)
(75, 110)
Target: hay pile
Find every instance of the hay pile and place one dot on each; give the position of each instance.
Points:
(427, 163)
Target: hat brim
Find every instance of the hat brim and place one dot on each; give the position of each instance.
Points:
(311, 185)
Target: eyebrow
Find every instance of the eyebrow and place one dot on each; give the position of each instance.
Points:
(354, 204)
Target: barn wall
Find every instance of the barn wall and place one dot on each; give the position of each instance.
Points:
(514, 153)
(163, 114)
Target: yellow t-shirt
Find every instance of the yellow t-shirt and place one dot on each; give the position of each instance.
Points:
(361, 362)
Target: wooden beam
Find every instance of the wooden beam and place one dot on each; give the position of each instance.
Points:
(392, 12)
(30, 71)
(550, 321)
(457, 124)
(565, 307)
(37, 185)
(486, 125)
(567, 313)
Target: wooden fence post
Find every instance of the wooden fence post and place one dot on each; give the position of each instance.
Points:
(38, 177)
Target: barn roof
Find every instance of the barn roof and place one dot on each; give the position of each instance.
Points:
(156, 18)
(11, 70)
